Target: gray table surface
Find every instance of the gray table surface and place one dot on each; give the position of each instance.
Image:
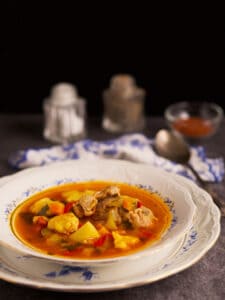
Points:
(204, 280)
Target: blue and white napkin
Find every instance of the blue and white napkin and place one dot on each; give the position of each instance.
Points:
(132, 147)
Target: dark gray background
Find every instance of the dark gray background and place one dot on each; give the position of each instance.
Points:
(176, 53)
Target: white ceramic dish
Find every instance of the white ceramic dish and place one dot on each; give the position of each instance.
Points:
(22, 186)
(37, 273)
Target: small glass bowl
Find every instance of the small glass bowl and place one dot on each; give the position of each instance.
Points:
(194, 120)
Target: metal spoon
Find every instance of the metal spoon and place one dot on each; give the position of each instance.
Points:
(174, 148)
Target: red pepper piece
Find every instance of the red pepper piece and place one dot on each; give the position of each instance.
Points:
(67, 253)
(68, 207)
(100, 241)
(139, 204)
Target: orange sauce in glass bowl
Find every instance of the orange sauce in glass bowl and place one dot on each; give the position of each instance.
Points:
(194, 127)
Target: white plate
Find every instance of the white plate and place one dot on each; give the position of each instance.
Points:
(188, 250)
(23, 186)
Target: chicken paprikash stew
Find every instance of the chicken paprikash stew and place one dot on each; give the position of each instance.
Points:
(91, 220)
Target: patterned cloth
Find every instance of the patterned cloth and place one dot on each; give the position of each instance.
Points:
(132, 147)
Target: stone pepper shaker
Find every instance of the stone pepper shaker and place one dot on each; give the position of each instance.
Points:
(64, 114)
(123, 105)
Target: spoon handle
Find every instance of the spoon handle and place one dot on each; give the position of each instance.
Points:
(217, 200)
(206, 186)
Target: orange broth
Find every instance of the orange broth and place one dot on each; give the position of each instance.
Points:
(29, 233)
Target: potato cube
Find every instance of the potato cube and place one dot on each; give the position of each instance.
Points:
(40, 205)
(87, 231)
(124, 241)
(72, 196)
(66, 223)
(111, 221)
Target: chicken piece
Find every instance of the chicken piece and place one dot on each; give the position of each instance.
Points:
(88, 202)
(66, 223)
(141, 217)
(101, 212)
(85, 206)
(111, 202)
(124, 214)
(107, 198)
(104, 206)
(78, 210)
(109, 191)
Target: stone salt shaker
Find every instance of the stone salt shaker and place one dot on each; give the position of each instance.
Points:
(64, 114)
(123, 105)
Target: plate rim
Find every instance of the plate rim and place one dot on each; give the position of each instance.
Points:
(95, 288)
